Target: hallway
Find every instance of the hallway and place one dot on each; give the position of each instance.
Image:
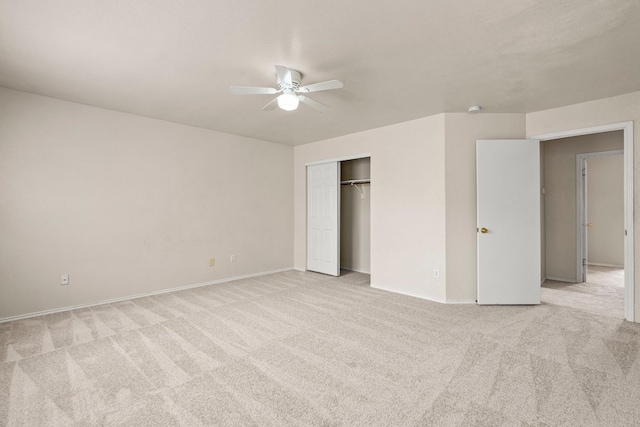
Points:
(602, 293)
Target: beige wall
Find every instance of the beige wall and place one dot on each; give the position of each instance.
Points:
(128, 205)
(415, 228)
(605, 210)
(355, 216)
(560, 198)
(461, 132)
(407, 202)
(594, 113)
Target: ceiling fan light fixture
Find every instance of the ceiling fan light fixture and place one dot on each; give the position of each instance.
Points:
(289, 82)
(288, 101)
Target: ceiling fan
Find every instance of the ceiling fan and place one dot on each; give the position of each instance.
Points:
(289, 82)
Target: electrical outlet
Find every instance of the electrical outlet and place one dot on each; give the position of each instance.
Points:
(212, 262)
(64, 279)
(233, 258)
(436, 273)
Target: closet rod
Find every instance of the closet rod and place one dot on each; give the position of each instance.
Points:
(356, 181)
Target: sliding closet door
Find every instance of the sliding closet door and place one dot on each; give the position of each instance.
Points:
(323, 218)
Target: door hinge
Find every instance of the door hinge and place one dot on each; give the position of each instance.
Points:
(584, 262)
(584, 171)
(625, 232)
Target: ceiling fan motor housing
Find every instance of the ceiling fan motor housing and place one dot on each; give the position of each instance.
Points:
(296, 78)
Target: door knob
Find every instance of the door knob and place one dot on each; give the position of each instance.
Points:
(484, 230)
(590, 224)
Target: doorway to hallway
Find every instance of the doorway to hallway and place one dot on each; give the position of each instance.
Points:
(571, 225)
(602, 293)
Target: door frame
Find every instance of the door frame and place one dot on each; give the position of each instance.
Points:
(319, 162)
(581, 208)
(627, 128)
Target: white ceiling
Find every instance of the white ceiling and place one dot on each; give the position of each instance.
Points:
(399, 60)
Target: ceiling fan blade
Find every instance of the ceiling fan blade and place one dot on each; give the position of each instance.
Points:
(271, 105)
(284, 75)
(314, 104)
(315, 87)
(250, 90)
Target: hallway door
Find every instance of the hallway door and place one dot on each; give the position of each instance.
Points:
(508, 192)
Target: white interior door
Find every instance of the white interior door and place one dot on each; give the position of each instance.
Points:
(508, 184)
(323, 218)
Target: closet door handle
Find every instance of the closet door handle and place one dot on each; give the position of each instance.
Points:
(484, 230)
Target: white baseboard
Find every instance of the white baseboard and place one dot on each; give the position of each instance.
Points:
(560, 279)
(434, 299)
(341, 267)
(409, 294)
(147, 294)
(597, 264)
(353, 269)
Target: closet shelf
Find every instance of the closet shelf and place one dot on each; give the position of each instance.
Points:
(356, 181)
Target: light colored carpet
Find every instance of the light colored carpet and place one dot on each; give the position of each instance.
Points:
(602, 293)
(300, 348)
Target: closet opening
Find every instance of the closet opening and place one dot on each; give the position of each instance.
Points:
(338, 215)
(355, 214)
